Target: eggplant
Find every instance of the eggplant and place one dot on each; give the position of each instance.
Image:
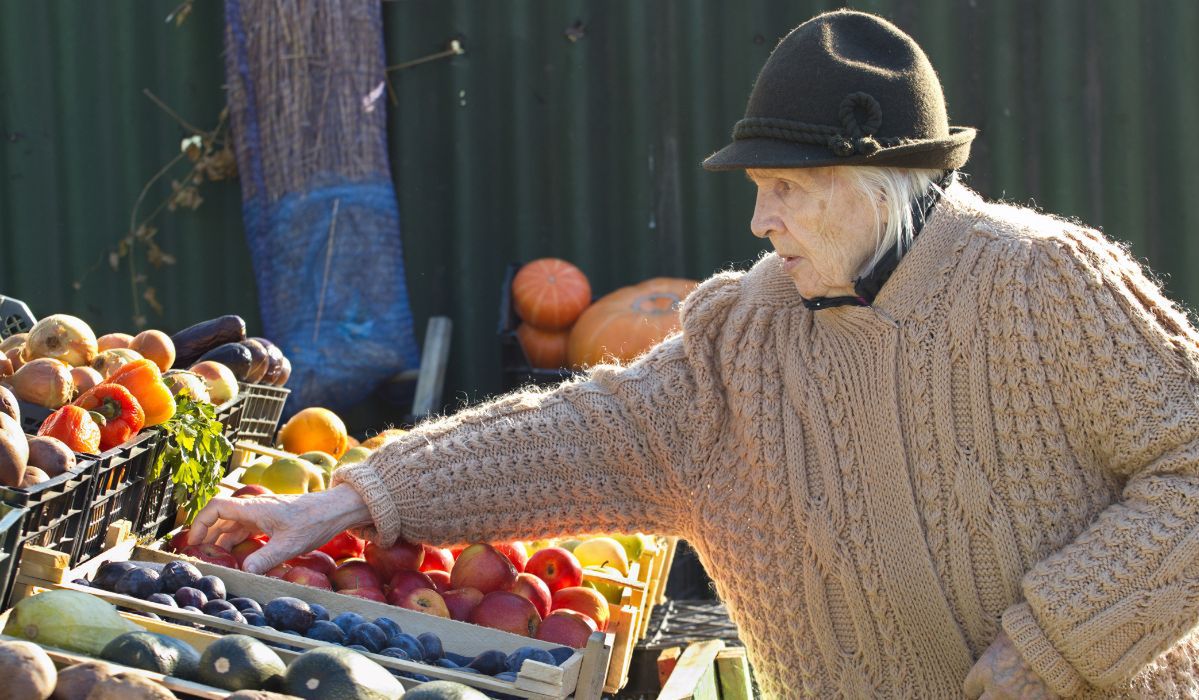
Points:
(235, 356)
(193, 342)
(284, 372)
(260, 362)
(275, 356)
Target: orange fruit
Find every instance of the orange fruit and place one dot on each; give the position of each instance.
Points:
(312, 429)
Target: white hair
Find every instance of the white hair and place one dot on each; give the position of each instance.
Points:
(898, 189)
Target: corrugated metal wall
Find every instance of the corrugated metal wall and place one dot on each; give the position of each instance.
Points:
(575, 129)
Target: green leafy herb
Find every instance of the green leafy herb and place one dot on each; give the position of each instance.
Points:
(194, 454)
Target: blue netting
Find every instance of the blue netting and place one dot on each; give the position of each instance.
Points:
(326, 244)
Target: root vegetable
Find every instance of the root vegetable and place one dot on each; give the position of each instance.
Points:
(43, 381)
(14, 451)
(62, 337)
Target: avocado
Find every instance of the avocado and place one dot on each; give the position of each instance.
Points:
(240, 662)
(151, 652)
(443, 690)
(333, 672)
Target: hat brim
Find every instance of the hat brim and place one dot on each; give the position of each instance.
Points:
(948, 153)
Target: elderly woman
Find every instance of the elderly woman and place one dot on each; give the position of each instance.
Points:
(930, 446)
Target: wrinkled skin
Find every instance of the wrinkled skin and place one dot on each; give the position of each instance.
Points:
(1002, 674)
(296, 524)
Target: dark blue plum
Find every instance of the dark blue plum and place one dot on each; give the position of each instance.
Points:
(143, 613)
(213, 607)
(139, 583)
(409, 644)
(244, 604)
(368, 635)
(110, 572)
(389, 626)
(179, 574)
(326, 632)
(517, 658)
(289, 614)
(230, 615)
(396, 653)
(358, 647)
(561, 654)
(445, 663)
(347, 621)
(468, 669)
(188, 596)
(431, 643)
(322, 613)
(212, 586)
(490, 662)
(505, 676)
(458, 658)
(254, 618)
(191, 608)
(82, 582)
(162, 599)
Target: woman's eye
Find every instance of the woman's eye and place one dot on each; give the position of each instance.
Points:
(783, 187)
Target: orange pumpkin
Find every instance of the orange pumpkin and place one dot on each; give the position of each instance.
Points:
(627, 322)
(545, 349)
(550, 293)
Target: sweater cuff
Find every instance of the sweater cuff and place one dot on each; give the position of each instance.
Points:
(364, 479)
(1039, 653)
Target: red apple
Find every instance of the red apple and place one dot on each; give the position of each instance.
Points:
(388, 560)
(566, 627)
(425, 600)
(179, 540)
(374, 594)
(308, 577)
(437, 559)
(245, 549)
(507, 611)
(535, 590)
(343, 546)
(483, 567)
(355, 573)
(252, 490)
(440, 579)
(557, 567)
(516, 553)
(211, 554)
(279, 571)
(405, 582)
(461, 602)
(585, 600)
(317, 561)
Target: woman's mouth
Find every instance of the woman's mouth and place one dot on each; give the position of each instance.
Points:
(790, 261)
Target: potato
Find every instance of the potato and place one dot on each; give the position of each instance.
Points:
(27, 671)
(128, 686)
(14, 451)
(33, 476)
(75, 682)
(50, 455)
(8, 404)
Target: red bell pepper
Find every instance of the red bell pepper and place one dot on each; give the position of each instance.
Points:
(123, 416)
(75, 427)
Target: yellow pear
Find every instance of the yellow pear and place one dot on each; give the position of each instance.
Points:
(602, 551)
(610, 591)
(253, 473)
(634, 545)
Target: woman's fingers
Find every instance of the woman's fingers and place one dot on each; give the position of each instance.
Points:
(272, 554)
(218, 510)
(232, 536)
(978, 678)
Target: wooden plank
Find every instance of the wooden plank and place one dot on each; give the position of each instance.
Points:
(118, 533)
(694, 677)
(605, 577)
(621, 626)
(255, 448)
(596, 655)
(667, 660)
(732, 668)
(434, 359)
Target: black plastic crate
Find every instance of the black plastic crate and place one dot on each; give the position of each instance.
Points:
(119, 481)
(262, 407)
(56, 509)
(514, 365)
(10, 543)
(15, 317)
(32, 416)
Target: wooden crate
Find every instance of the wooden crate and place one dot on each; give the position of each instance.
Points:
(581, 677)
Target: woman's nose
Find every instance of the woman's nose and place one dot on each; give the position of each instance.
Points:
(762, 222)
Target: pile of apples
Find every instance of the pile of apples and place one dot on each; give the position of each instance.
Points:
(540, 595)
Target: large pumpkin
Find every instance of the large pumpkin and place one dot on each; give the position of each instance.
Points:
(545, 349)
(627, 322)
(550, 293)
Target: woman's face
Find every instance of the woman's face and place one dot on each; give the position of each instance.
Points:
(819, 223)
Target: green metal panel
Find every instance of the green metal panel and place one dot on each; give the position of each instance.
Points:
(575, 128)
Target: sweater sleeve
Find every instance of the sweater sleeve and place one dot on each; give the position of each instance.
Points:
(611, 452)
(1123, 362)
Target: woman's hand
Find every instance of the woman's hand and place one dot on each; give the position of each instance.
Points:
(296, 524)
(1001, 674)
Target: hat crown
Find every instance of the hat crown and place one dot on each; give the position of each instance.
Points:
(821, 62)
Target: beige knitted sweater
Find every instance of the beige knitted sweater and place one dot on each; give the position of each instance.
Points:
(1009, 436)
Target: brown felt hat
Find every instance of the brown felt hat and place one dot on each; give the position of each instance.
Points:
(846, 88)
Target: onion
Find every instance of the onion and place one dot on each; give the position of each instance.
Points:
(44, 382)
(61, 337)
(84, 378)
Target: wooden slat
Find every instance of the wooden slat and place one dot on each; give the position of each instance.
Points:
(667, 660)
(605, 577)
(732, 667)
(694, 677)
(621, 626)
(596, 656)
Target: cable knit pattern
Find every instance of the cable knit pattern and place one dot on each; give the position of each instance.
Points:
(1008, 438)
